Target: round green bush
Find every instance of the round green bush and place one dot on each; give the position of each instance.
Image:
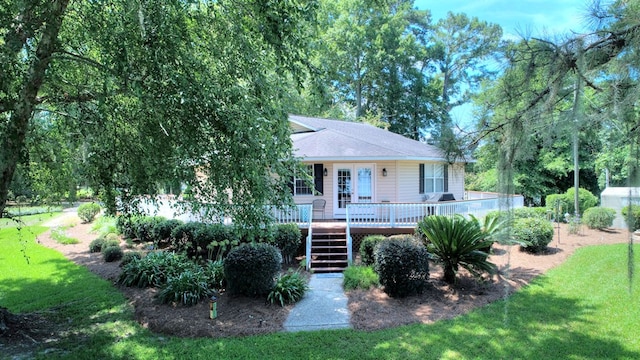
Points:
(143, 227)
(598, 217)
(126, 225)
(96, 245)
(633, 221)
(190, 238)
(402, 266)
(161, 230)
(104, 241)
(566, 202)
(88, 211)
(112, 253)
(288, 239)
(251, 269)
(367, 246)
(533, 233)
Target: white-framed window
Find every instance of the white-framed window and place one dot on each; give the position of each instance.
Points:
(300, 186)
(432, 178)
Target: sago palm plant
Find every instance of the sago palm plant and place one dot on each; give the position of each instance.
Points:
(456, 242)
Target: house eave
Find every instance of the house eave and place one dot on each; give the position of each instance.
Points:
(372, 159)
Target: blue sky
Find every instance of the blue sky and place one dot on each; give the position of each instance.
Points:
(531, 17)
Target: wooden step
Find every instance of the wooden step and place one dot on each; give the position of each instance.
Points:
(329, 247)
(328, 269)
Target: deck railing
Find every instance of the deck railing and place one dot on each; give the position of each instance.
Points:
(300, 214)
(403, 215)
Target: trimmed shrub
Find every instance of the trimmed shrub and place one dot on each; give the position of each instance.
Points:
(88, 211)
(161, 230)
(367, 247)
(402, 266)
(534, 234)
(360, 277)
(187, 287)
(633, 221)
(143, 227)
(599, 217)
(289, 288)
(250, 269)
(112, 253)
(129, 256)
(288, 239)
(126, 225)
(567, 202)
(96, 245)
(188, 238)
(104, 241)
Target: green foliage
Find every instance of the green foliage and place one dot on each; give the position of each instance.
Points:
(598, 217)
(454, 242)
(533, 233)
(288, 289)
(631, 215)
(161, 230)
(217, 239)
(186, 287)
(59, 235)
(153, 269)
(566, 202)
(31, 210)
(88, 211)
(250, 269)
(104, 225)
(143, 227)
(103, 241)
(214, 270)
(129, 256)
(402, 266)
(367, 247)
(126, 226)
(288, 239)
(112, 253)
(360, 277)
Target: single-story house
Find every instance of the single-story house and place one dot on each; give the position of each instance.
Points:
(359, 163)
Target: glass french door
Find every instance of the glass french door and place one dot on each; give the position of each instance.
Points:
(353, 183)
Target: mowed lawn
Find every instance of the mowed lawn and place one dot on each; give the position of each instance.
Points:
(584, 309)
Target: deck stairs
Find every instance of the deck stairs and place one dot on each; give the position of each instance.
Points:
(329, 249)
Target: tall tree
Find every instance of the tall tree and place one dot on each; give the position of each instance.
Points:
(159, 90)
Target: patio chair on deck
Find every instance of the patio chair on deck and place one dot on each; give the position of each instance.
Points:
(318, 206)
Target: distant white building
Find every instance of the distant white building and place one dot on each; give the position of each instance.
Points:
(617, 198)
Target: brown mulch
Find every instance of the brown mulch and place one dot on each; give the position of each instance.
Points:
(370, 309)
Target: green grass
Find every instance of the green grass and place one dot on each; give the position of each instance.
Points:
(27, 220)
(581, 310)
(59, 235)
(32, 210)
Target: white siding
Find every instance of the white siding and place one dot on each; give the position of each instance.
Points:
(408, 185)
(456, 181)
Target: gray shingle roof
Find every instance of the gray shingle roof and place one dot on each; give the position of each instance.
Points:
(324, 139)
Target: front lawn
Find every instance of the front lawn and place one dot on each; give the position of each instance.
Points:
(581, 310)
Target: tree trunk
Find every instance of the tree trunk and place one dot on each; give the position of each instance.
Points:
(13, 142)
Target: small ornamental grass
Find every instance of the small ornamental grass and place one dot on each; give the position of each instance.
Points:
(59, 235)
(187, 287)
(360, 277)
(87, 212)
(289, 288)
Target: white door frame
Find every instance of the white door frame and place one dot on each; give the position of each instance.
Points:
(339, 212)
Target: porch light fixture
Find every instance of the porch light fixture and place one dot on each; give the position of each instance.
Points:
(384, 172)
(325, 172)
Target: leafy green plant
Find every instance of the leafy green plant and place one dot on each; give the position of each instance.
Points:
(599, 217)
(561, 204)
(214, 270)
(112, 253)
(457, 242)
(187, 287)
(190, 238)
(360, 277)
(402, 266)
(153, 269)
(104, 225)
(250, 269)
(218, 239)
(288, 289)
(103, 241)
(88, 211)
(288, 239)
(367, 246)
(161, 231)
(143, 227)
(534, 234)
(631, 215)
(128, 257)
(59, 235)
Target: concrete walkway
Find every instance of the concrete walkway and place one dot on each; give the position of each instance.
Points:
(323, 307)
